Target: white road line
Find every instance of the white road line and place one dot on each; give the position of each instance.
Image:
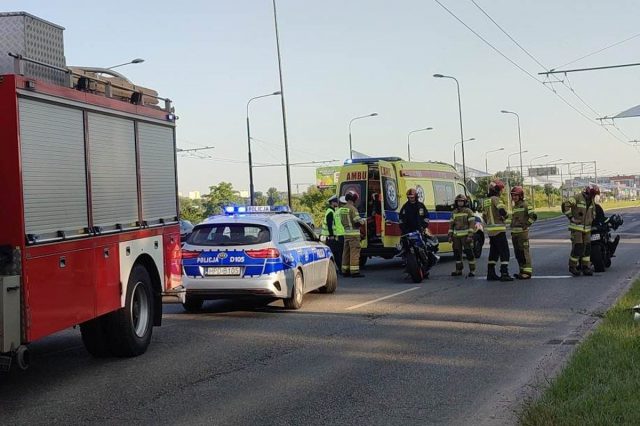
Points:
(381, 298)
(540, 277)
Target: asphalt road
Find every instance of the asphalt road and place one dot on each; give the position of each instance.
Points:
(450, 351)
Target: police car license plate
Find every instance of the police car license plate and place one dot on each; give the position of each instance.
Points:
(595, 237)
(223, 271)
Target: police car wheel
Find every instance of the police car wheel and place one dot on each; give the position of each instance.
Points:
(192, 304)
(332, 279)
(297, 293)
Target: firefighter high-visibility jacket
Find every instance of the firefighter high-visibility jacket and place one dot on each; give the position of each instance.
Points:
(522, 217)
(350, 219)
(580, 212)
(494, 214)
(462, 222)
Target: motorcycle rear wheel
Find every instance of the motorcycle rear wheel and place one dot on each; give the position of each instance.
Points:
(597, 257)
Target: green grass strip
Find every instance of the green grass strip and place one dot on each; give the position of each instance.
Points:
(601, 383)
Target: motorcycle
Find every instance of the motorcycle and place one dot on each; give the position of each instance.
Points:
(603, 244)
(419, 252)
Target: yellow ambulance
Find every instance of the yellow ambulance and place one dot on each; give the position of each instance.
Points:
(382, 183)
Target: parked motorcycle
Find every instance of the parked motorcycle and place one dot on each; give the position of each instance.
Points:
(419, 252)
(603, 243)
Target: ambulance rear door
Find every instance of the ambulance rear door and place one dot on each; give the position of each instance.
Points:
(353, 178)
(390, 204)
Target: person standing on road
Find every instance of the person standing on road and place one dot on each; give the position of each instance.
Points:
(333, 231)
(522, 218)
(461, 235)
(579, 209)
(494, 214)
(351, 221)
(414, 215)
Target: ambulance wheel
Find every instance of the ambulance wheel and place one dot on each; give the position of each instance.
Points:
(478, 242)
(95, 337)
(192, 303)
(332, 279)
(132, 326)
(297, 293)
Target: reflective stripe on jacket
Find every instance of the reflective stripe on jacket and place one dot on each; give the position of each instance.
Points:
(462, 222)
(350, 219)
(492, 218)
(580, 212)
(522, 217)
(331, 224)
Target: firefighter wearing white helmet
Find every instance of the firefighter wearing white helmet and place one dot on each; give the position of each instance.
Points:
(579, 209)
(351, 221)
(523, 217)
(461, 230)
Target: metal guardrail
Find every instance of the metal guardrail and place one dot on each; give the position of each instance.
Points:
(20, 60)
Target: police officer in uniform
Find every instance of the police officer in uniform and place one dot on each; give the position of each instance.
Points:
(351, 221)
(521, 219)
(461, 235)
(414, 215)
(579, 209)
(333, 231)
(494, 213)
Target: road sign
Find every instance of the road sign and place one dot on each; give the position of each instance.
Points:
(543, 171)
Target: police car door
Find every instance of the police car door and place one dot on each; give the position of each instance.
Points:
(297, 247)
(319, 252)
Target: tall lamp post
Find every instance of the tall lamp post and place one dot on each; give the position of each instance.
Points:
(251, 190)
(284, 115)
(533, 198)
(373, 114)
(454, 149)
(464, 164)
(504, 111)
(133, 61)
(409, 134)
(486, 158)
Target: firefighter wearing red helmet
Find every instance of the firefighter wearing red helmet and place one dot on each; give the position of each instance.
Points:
(461, 229)
(521, 219)
(580, 210)
(351, 221)
(494, 213)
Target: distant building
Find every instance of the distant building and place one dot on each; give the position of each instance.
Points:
(194, 195)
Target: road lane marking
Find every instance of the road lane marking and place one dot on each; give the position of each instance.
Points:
(381, 298)
(539, 277)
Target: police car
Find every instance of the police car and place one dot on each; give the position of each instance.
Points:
(255, 251)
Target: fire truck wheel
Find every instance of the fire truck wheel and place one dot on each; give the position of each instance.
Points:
(131, 327)
(95, 337)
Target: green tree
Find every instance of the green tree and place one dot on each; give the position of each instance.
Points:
(219, 196)
(315, 202)
(191, 210)
(273, 197)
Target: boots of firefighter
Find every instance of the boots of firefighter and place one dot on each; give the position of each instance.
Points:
(491, 272)
(586, 269)
(522, 276)
(573, 269)
(458, 271)
(504, 273)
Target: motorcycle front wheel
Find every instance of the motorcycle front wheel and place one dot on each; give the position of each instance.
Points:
(413, 268)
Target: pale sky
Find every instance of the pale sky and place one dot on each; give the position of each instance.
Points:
(345, 58)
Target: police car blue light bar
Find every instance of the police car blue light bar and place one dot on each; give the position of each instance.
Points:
(231, 210)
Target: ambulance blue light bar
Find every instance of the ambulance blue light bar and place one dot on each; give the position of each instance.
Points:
(230, 210)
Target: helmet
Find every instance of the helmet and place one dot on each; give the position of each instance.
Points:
(342, 200)
(351, 196)
(497, 185)
(517, 190)
(412, 191)
(334, 198)
(591, 190)
(461, 197)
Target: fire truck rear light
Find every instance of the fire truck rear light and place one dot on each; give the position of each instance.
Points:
(268, 253)
(190, 254)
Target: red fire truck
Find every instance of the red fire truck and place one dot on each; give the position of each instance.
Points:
(89, 231)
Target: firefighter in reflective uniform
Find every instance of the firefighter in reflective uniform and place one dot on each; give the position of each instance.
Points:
(494, 214)
(461, 235)
(351, 221)
(333, 231)
(579, 209)
(521, 219)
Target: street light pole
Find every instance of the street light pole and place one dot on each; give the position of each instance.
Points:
(454, 149)
(409, 134)
(509, 172)
(519, 141)
(133, 61)
(251, 189)
(284, 115)
(464, 164)
(486, 158)
(373, 114)
(533, 198)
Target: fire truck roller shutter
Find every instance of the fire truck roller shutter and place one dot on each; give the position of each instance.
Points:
(114, 188)
(157, 172)
(52, 140)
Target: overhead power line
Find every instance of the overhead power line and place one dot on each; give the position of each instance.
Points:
(597, 51)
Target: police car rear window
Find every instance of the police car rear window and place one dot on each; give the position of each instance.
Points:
(229, 234)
